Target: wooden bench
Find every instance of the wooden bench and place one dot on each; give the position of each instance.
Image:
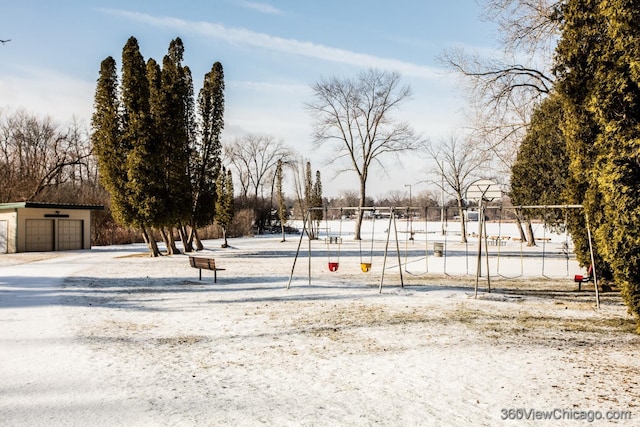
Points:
(498, 240)
(333, 239)
(206, 263)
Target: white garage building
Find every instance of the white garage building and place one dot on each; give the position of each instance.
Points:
(39, 227)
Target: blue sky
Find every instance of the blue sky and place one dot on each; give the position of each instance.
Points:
(271, 51)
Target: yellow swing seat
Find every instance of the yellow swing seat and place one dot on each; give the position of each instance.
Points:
(365, 267)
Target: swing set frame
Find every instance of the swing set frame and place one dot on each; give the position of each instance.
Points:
(483, 236)
(482, 241)
(364, 266)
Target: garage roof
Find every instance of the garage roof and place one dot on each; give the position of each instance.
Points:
(17, 205)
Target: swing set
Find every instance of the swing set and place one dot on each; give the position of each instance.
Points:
(333, 262)
(334, 241)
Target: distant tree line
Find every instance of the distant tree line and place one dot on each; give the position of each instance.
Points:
(41, 160)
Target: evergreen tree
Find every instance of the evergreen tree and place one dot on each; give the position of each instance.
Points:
(205, 163)
(539, 174)
(282, 208)
(599, 80)
(312, 202)
(154, 77)
(158, 171)
(175, 133)
(106, 138)
(224, 203)
(143, 186)
(575, 70)
(316, 194)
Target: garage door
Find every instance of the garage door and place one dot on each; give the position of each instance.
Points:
(69, 234)
(39, 235)
(4, 231)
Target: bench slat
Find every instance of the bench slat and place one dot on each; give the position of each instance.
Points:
(206, 263)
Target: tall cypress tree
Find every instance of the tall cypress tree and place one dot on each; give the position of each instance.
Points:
(143, 185)
(224, 202)
(205, 160)
(159, 172)
(176, 130)
(107, 141)
(282, 208)
(316, 197)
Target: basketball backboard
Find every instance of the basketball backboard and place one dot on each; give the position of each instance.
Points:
(483, 189)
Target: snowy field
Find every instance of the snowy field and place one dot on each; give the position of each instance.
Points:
(111, 337)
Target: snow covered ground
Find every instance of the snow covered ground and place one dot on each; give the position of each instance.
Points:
(111, 337)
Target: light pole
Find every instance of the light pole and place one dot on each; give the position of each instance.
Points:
(410, 214)
(442, 196)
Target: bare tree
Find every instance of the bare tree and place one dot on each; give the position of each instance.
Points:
(457, 165)
(39, 157)
(308, 194)
(355, 116)
(504, 90)
(528, 26)
(394, 198)
(255, 158)
(298, 172)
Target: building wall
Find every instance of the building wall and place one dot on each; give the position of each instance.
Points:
(17, 220)
(8, 223)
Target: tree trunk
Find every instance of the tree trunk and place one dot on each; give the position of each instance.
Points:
(224, 236)
(169, 241)
(165, 239)
(151, 242)
(531, 240)
(463, 223)
(356, 235)
(284, 239)
(172, 242)
(186, 238)
(196, 240)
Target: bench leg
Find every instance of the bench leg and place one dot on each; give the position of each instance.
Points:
(215, 276)
(199, 274)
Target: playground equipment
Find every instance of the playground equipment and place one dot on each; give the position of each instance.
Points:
(580, 279)
(365, 265)
(507, 257)
(334, 262)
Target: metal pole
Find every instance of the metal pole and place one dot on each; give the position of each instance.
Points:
(593, 260)
(479, 261)
(304, 227)
(309, 246)
(410, 213)
(386, 249)
(395, 228)
(486, 249)
(426, 238)
(442, 197)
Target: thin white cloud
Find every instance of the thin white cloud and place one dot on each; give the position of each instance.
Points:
(268, 87)
(47, 92)
(290, 46)
(261, 7)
